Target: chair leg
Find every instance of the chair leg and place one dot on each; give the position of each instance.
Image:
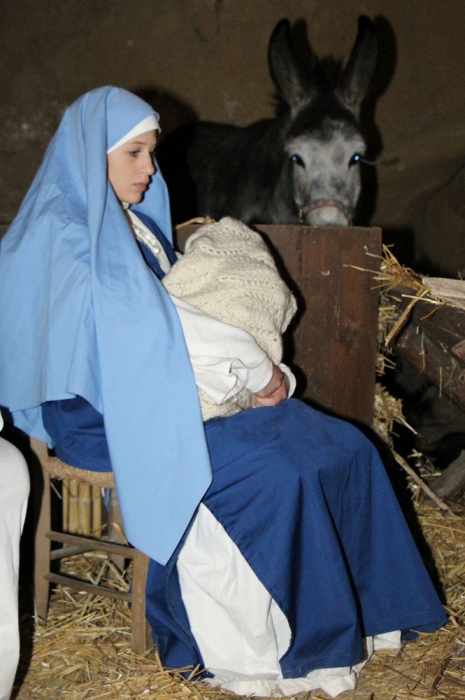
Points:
(141, 638)
(42, 551)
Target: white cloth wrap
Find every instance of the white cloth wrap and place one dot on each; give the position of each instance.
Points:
(228, 272)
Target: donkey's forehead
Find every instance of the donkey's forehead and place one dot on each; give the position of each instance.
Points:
(322, 117)
(327, 128)
(334, 137)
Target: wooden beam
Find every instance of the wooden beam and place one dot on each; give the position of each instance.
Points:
(433, 341)
(434, 362)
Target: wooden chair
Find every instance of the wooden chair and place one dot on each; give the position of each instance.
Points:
(112, 543)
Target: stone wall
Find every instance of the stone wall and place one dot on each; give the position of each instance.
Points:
(207, 59)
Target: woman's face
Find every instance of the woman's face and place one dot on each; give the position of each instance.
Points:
(131, 165)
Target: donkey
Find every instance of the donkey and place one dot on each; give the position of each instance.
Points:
(303, 165)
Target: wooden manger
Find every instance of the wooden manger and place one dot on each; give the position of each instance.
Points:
(332, 344)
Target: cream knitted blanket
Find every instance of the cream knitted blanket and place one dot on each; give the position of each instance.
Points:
(228, 272)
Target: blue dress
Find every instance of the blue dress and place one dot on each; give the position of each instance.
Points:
(306, 499)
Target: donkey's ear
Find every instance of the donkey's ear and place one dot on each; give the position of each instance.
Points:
(358, 75)
(291, 81)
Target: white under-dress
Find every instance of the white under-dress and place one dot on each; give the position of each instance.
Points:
(238, 625)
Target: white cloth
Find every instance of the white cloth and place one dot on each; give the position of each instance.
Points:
(14, 492)
(146, 124)
(215, 581)
(237, 624)
(225, 359)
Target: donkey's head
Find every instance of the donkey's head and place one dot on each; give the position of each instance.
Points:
(323, 143)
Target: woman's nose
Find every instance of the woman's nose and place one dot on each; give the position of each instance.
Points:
(148, 165)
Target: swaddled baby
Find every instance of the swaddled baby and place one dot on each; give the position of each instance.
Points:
(228, 272)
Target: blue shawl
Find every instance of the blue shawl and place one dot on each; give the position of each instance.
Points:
(81, 314)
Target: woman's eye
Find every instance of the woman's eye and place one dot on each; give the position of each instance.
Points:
(297, 160)
(356, 158)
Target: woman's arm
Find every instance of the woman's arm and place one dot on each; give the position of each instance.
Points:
(226, 359)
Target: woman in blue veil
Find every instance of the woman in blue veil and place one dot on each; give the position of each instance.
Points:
(280, 556)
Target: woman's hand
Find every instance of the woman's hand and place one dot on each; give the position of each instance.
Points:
(273, 393)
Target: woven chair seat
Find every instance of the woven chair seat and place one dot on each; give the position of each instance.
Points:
(57, 469)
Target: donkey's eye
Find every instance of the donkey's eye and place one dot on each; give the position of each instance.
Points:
(297, 160)
(356, 158)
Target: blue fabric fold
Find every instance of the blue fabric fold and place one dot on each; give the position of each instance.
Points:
(81, 314)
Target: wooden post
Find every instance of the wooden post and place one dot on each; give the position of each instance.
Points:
(84, 509)
(73, 506)
(65, 504)
(96, 511)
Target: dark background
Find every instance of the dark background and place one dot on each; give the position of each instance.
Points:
(207, 59)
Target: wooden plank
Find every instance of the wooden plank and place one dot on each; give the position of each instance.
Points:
(92, 543)
(332, 345)
(446, 324)
(432, 340)
(433, 362)
(451, 483)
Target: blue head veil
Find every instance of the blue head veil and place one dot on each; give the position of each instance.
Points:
(81, 314)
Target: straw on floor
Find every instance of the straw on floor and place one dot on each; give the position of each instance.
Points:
(84, 650)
